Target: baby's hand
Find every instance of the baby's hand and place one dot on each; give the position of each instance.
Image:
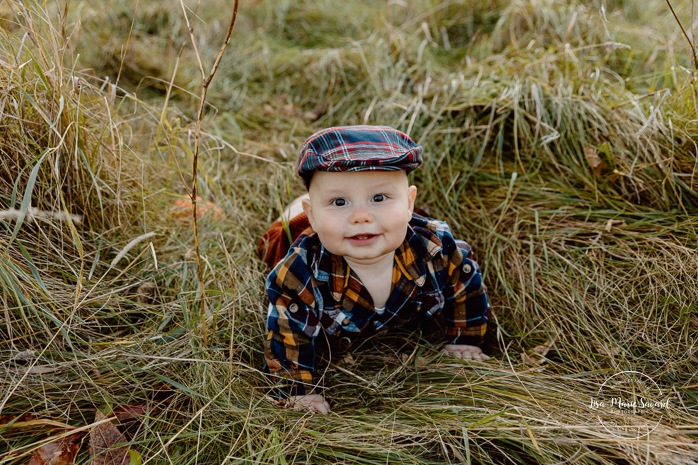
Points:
(464, 352)
(311, 403)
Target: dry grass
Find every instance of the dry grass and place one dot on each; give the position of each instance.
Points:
(591, 267)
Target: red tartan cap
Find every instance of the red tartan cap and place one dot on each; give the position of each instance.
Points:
(358, 148)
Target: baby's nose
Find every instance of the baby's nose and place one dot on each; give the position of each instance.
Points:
(361, 215)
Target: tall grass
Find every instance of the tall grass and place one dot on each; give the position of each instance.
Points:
(591, 267)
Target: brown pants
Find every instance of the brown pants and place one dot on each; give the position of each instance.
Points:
(275, 243)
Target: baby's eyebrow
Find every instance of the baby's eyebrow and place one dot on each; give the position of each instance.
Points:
(334, 193)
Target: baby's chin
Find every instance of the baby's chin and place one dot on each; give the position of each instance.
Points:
(368, 259)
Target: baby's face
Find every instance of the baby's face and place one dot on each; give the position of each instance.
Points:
(360, 215)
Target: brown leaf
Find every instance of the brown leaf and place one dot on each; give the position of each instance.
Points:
(536, 356)
(129, 412)
(316, 113)
(181, 209)
(594, 160)
(6, 419)
(105, 440)
(146, 293)
(61, 452)
(543, 349)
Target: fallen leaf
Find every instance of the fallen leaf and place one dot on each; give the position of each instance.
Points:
(181, 209)
(543, 349)
(61, 452)
(7, 419)
(316, 113)
(129, 412)
(594, 160)
(528, 359)
(536, 356)
(146, 293)
(105, 440)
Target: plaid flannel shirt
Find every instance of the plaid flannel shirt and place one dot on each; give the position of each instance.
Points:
(311, 291)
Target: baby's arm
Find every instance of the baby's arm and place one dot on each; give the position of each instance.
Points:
(465, 352)
(293, 324)
(466, 319)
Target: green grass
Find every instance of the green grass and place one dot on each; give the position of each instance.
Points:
(595, 268)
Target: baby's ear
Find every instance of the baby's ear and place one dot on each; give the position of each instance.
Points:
(411, 195)
(308, 209)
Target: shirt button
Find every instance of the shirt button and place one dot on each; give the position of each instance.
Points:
(467, 268)
(293, 308)
(346, 321)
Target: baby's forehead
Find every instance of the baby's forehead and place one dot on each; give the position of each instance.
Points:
(349, 181)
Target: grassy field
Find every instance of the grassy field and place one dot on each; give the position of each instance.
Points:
(560, 140)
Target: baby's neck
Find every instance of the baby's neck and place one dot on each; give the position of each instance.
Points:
(376, 276)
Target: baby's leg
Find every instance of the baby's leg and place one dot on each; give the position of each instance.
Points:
(275, 243)
(294, 209)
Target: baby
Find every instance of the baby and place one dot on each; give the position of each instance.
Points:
(366, 264)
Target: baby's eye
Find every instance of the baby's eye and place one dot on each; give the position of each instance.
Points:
(339, 202)
(378, 198)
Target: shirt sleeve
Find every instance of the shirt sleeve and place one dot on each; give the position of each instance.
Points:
(466, 319)
(293, 325)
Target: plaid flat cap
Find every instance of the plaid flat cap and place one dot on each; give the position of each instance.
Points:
(358, 148)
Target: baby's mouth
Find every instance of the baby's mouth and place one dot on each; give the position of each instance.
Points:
(363, 237)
